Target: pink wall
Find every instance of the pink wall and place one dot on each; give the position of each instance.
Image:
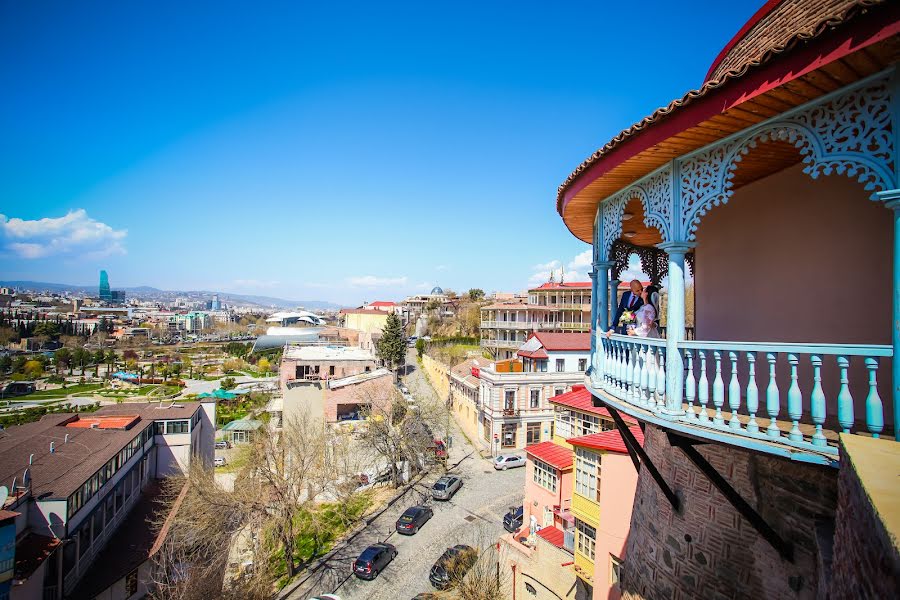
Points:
(542, 496)
(796, 259)
(618, 481)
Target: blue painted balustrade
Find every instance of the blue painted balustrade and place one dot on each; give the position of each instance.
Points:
(774, 392)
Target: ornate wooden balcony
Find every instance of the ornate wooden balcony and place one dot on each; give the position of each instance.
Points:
(764, 396)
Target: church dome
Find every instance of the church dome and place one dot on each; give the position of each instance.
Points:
(436, 291)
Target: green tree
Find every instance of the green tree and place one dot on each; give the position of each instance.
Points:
(391, 346)
(63, 359)
(420, 347)
(46, 328)
(476, 294)
(33, 369)
(5, 364)
(227, 383)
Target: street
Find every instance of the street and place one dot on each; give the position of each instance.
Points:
(473, 516)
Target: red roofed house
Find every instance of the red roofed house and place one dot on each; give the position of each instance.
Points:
(552, 306)
(513, 406)
(579, 491)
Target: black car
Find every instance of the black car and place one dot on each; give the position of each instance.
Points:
(452, 566)
(373, 559)
(513, 519)
(413, 518)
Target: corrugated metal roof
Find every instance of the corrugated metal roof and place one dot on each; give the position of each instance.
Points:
(552, 454)
(608, 440)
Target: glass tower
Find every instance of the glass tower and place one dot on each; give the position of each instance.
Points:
(105, 294)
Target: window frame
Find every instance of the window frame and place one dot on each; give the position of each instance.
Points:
(583, 531)
(544, 475)
(588, 466)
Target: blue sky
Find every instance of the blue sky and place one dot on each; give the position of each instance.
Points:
(341, 152)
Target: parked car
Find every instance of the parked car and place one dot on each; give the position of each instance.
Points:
(222, 445)
(452, 566)
(508, 461)
(373, 559)
(220, 461)
(445, 487)
(350, 416)
(404, 390)
(412, 519)
(512, 520)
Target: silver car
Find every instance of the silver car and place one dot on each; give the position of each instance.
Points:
(445, 487)
(508, 461)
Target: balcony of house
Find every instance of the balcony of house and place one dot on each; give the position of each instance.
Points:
(500, 343)
(517, 325)
(795, 265)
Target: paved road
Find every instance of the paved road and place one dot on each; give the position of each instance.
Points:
(474, 516)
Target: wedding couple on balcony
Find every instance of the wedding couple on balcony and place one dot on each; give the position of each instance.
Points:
(638, 312)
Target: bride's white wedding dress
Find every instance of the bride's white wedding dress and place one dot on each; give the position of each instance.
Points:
(645, 322)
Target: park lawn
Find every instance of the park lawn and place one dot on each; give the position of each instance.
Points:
(62, 392)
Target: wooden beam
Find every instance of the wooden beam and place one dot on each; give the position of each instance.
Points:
(783, 548)
(631, 443)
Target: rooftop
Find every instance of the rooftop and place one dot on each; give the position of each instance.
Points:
(553, 535)
(329, 352)
(552, 454)
(242, 425)
(560, 342)
(580, 399)
(552, 285)
(608, 440)
(334, 384)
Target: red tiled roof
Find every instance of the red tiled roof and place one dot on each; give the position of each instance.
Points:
(103, 422)
(539, 353)
(361, 311)
(552, 454)
(564, 341)
(552, 285)
(580, 399)
(608, 440)
(625, 285)
(383, 303)
(553, 535)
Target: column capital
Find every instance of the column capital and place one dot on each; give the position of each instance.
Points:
(676, 247)
(891, 198)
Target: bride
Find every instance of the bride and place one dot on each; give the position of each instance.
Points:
(646, 316)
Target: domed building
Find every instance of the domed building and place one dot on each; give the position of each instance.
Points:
(436, 291)
(776, 184)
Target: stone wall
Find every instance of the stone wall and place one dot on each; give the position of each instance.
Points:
(437, 376)
(707, 549)
(539, 568)
(866, 560)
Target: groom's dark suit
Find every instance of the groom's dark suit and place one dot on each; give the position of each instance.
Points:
(630, 301)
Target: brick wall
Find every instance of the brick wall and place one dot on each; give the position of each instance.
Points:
(866, 563)
(708, 549)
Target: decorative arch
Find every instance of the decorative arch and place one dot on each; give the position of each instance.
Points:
(655, 194)
(849, 134)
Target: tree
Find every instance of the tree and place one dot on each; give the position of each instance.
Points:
(420, 347)
(391, 347)
(227, 383)
(5, 364)
(264, 365)
(476, 294)
(46, 329)
(396, 435)
(33, 369)
(7, 335)
(63, 359)
(186, 362)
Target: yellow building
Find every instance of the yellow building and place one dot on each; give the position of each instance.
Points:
(361, 319)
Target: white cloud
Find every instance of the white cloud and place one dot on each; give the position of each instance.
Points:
(581, 261)
(74, 234)
(372, 281)
(577, 269)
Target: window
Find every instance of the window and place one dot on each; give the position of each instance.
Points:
(559, 391)
(331, 370)
(586, 424)
(615, 570)
(544, 475)
(535, 398)
(508, 435)
(509, 399)
(564, 420)
(582, 364)
(173, 427)
(532, 433)
(587, 473)
(584, 541)
(560, 365)
(542, 366)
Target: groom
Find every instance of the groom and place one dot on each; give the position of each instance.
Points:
(631, 300)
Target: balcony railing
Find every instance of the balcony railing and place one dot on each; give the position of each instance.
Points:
(748, 389)
(521, 325)
(513, 344)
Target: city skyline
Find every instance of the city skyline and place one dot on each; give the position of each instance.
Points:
(400, 152)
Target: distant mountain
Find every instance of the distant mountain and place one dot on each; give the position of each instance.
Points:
(147, 291)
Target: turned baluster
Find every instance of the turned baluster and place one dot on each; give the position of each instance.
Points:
(645, 375)
(845, 398)
(794, 401)
(773, 402)
(661, 379)
(703, 388)
(817, 402)
(635, 375)
(752, 394)
(718, 390)
(690, 384)
(734, 393)
(651, 376)
(874, 409)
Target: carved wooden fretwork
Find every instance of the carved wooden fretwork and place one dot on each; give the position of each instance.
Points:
(654, 262)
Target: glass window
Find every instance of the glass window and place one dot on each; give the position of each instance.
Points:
(615, 570)
(582, 364)
(508, 435)
(532, 433)
(559, 391)
(535, 398)
(564, 420)
(509, 399)
(544, 475)
(584, 542)
(560, 365)
(586, 424)
(173, 427)
(587, 473)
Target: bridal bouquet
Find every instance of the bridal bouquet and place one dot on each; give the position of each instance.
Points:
(627, 318)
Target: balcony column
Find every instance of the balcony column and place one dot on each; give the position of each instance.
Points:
(675, 320)
(599, 313)
(613, 301)
(892, 201)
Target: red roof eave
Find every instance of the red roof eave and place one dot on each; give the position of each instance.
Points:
(718, 97)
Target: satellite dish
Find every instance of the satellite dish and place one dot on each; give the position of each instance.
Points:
(4, 494)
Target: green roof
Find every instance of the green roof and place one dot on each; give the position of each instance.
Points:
(242, 425)
(220, 394)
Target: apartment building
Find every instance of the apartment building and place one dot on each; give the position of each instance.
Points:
(551, 307)
(579, 490)
(513, 398)
(74, 483)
